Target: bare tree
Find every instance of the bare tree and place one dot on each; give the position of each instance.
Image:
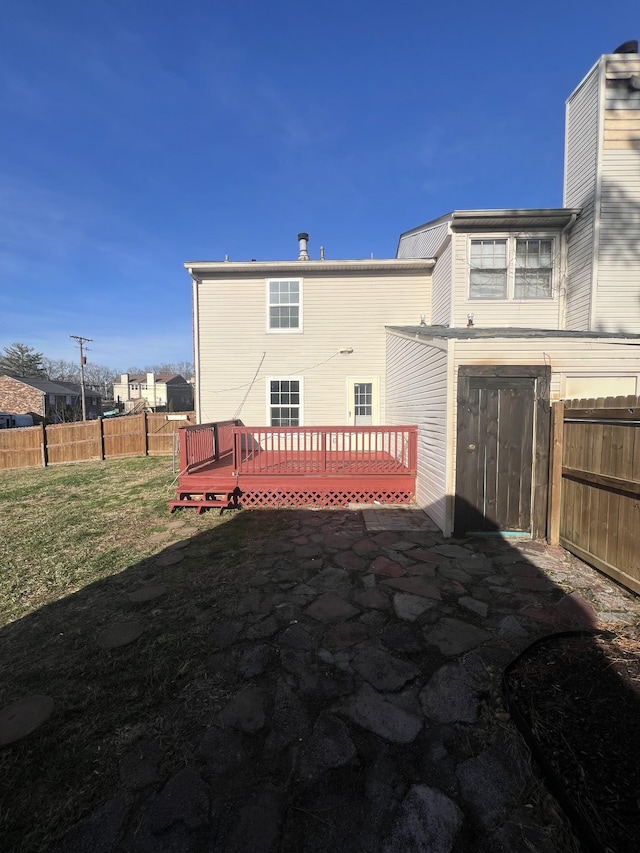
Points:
(183, 368)
(59, 370)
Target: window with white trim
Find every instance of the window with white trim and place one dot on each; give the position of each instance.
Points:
(511, 268)
(284, 305)
(534, 266)
(285, 402)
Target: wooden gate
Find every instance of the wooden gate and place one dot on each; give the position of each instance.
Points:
(502, 450)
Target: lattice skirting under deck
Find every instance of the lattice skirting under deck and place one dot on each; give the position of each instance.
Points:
(300, 498)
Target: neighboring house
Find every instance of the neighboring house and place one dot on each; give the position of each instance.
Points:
(154, 392)
(47, 401)
(506, 310)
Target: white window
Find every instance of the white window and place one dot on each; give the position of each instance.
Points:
(284, 402)
(511, 268)
(488, 275)
(533, 269)
(284, 305)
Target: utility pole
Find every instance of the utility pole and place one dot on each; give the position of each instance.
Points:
(81, 342)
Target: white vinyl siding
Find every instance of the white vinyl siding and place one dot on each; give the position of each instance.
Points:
(347, 310)
(602, 175)
(618, 286)
(575, 357)
(523, 313)
(417, 394)
(442, 288)
(617, 299)
(581, 157)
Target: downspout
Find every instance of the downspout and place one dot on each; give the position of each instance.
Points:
(196, 345)
(451, 437)
(564, 270)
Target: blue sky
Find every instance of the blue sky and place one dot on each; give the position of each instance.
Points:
(138, 134)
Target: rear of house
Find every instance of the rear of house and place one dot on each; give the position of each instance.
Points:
(295, 343)
(490, 315)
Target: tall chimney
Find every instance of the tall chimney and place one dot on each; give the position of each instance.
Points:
(302, 241)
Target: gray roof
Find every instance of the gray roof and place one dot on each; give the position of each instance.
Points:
(47, 386)
(480, 332)
(516, 217)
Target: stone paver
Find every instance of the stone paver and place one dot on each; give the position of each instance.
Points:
(453, 636)
(329, 746)
(415, 586)
(374, 713)
(427, 820)
(329, 607)
(451, 696)
(386, 567)
(409, 606)
(347, 664)
(382, 670)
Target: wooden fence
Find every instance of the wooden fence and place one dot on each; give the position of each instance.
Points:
(595, 484)
(147, 434)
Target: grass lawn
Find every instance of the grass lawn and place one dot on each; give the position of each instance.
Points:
(75, 540)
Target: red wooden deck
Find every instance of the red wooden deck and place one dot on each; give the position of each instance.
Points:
(229, 465)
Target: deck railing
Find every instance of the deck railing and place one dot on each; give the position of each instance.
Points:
(325, 450)
(205, 444)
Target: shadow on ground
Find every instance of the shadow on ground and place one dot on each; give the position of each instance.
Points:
(307, 680)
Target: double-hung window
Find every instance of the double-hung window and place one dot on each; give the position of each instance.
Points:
(284, 305)
(511, 268)
(488, 275)
(533, 269)
(284, 402)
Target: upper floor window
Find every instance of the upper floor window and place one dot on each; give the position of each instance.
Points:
(284, 305)
(533, 269)
(488, 276)
(492, 275)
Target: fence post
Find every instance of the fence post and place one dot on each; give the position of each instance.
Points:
(102, 457)
(145, 427)
(43, 445)
(182, 448)
(555, 473)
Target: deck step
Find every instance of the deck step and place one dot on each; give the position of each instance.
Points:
(221, 498)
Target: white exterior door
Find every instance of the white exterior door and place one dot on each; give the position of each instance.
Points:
(363, 407)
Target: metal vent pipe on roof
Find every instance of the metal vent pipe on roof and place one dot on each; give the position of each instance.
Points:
(303, 239)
